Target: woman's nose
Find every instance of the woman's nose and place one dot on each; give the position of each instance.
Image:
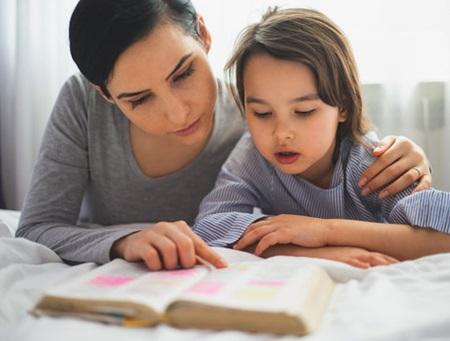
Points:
(177, 110)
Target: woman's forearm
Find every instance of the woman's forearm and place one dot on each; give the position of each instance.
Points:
(399, 241)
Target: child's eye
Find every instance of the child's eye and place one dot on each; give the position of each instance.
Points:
(304, 113)
(262, 114)
(139, 101)
(189, 71)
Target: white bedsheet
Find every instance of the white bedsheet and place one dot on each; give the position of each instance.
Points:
(406, 301)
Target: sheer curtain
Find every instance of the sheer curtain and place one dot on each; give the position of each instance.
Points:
(402, 48)
(403, 52)
(34, 62)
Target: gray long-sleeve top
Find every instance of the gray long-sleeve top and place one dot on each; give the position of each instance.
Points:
(87, 190)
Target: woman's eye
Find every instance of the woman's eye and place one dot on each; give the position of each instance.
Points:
(189, 71)
(139, 101)
(262, 114)
(304, 113)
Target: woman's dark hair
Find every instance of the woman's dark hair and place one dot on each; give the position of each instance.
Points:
(100, 30)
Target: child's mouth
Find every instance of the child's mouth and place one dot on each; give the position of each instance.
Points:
(286, 157)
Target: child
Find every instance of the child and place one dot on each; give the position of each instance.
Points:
(297, 84)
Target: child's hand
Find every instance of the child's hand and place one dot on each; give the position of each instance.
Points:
(284, 229)
(354, 256)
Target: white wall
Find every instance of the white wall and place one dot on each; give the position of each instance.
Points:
(398, 45)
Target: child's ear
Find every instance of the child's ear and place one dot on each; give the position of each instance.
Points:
(342, 116)
(100, 91)
(203, 33)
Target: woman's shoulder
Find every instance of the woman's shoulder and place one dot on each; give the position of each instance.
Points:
(79, 92)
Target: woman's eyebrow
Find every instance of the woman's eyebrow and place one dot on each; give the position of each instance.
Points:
(179, 65)
(176, 68)
(132, 94)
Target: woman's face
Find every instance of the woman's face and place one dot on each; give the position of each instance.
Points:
(165, 86)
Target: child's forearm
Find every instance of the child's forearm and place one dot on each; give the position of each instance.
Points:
(399, 241)
(293, 250)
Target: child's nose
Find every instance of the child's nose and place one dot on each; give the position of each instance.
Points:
(283, 133)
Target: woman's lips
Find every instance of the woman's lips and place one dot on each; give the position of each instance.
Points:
(286, 158)
(192, 128)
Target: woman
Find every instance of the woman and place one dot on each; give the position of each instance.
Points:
(134, 144)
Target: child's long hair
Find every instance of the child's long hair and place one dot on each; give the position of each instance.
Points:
(311, 38)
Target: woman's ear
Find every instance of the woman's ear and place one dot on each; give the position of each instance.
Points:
(100, 91)
(203, 33)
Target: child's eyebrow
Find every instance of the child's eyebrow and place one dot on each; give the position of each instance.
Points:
(310, 97)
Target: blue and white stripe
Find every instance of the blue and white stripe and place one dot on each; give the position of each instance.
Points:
(247, 181)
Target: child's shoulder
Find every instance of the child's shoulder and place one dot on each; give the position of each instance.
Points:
(357, 157)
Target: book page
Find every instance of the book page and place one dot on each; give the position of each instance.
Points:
(124, 281)
(233, 256)
(269, 285)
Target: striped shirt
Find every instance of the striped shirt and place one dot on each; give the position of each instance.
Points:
(249, 188)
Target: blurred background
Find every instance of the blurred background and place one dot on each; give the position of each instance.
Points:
(402, 49)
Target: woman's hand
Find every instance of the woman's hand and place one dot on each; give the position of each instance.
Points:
(166, 245)
(400, 164)
(284, 229)
(353, 256)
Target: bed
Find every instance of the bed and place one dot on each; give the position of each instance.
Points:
(405, 301)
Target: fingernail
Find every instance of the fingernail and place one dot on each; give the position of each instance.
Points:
(364, 192)
(362, 182)
(223, 262)
(383, 194)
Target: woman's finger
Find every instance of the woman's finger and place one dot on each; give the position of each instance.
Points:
(207, 253)
(378, 166)
(185, 247)
(384, 145)
(167, 250)
(409, 177)
(424, 183)
(150, 257)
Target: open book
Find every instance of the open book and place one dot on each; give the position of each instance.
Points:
(277, 295)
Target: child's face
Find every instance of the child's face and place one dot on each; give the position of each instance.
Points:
(291, 127)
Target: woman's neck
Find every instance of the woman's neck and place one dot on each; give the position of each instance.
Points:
(158, 157)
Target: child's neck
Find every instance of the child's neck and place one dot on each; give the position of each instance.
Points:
(321, 173)
(319, 179)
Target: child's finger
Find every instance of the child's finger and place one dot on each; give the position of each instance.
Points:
(253, 236)
(266, 242)
(358, 264)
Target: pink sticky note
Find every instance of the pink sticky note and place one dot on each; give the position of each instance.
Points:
(264, 282)
(110, 281)
(206, 288)
(179, 273)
